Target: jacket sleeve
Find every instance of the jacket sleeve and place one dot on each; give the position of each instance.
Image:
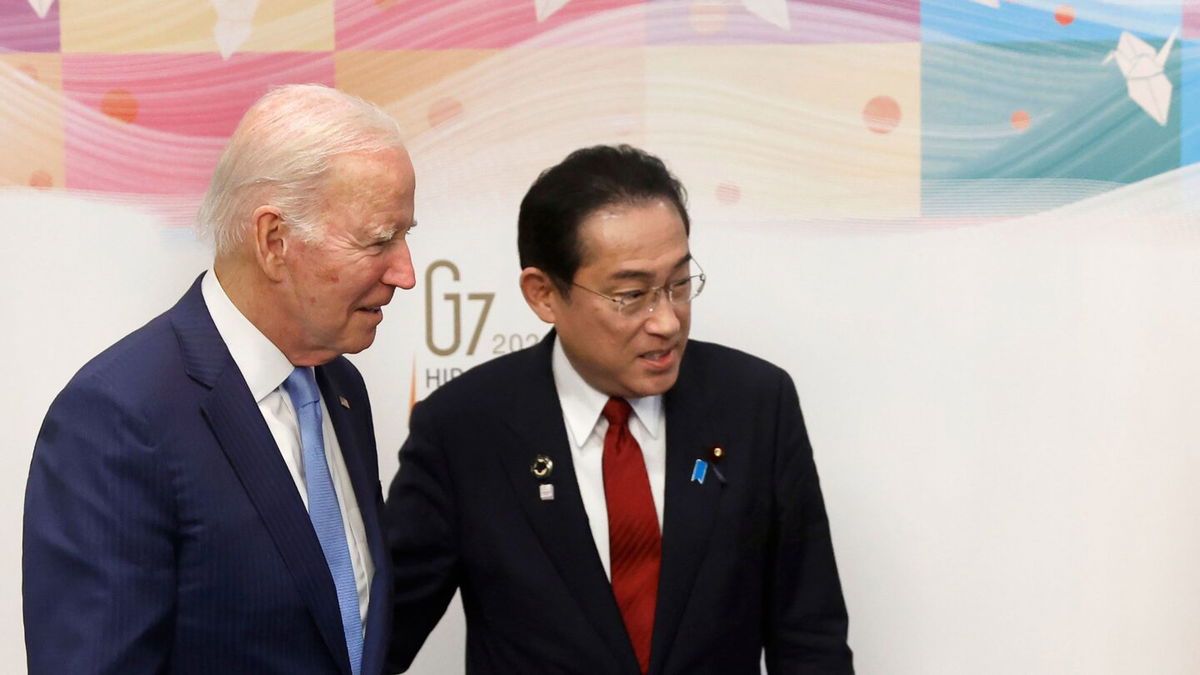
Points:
(806, 620)
(421, 534)
(98, 552)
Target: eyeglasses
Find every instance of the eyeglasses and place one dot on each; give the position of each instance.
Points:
(634, 302)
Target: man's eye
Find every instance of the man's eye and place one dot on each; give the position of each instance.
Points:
(631, 296)
(682, 283)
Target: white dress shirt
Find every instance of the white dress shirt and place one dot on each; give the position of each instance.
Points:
(582, 406)
(265, 368)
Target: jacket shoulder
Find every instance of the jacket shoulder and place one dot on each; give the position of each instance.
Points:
(734, 369)
(136, 362)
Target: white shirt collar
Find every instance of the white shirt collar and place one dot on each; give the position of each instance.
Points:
(582, 403)
(262, 364)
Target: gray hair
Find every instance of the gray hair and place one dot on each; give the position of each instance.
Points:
(281, 153)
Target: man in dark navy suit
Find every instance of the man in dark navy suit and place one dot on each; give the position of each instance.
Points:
(616, 499)
(204, 495)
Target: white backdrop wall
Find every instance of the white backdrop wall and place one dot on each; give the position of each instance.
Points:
(1003, 416)
(990, 316)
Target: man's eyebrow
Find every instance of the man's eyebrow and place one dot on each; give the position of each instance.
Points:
(382, 234)
(389, 232)
(643, 275)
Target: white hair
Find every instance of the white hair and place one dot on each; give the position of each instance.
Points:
(280, 154)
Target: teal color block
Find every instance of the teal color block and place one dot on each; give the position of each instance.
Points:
(1085, 133)
(1034, 20)
(1189, 133)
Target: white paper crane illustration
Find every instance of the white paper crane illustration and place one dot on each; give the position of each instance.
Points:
(546, 8)
(235, 22)
(772, 11)
(1143, 70)
(41, 7)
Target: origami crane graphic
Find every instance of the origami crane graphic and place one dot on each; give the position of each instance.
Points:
(772, 11)
(546, 8)
(41, 7)
(1143, 70)
(235, 22)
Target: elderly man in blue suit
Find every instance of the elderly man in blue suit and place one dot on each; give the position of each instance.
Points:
(204, 495)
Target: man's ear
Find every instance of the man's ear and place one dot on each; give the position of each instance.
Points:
(540, 292)
(270, 241)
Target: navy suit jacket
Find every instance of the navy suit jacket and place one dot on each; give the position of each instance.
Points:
(163, 531)
(747, 562)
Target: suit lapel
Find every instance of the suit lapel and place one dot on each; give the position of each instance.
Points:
(535, 421)
(354, 436)
(690, 508)
(234, 417)
(235, 420)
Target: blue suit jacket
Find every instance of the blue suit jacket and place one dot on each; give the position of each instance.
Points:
(163, 531)
(747, 561)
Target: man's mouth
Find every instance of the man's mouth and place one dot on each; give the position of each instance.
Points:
(659, 359)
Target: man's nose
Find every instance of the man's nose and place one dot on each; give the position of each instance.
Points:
(662, 319)
(400, 271)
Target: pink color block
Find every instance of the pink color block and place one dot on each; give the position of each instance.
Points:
(186, 107)
(22, 30)
(1191, 18)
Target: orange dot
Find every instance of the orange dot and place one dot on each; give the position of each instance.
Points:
(385, 4)
(728, 193)
(443, 110)
(707, 16)
(881, 114)
(30, 71)
(41, 179)
(1020, 120)
(1065, 14)
(119, 104)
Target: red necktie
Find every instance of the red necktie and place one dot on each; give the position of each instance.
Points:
(635, 545)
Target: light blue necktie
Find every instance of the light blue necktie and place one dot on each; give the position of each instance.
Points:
(323, 508)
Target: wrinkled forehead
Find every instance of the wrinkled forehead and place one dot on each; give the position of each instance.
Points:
(380, 175)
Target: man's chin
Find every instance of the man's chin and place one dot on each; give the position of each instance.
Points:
(652, 385)
(360, 343)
